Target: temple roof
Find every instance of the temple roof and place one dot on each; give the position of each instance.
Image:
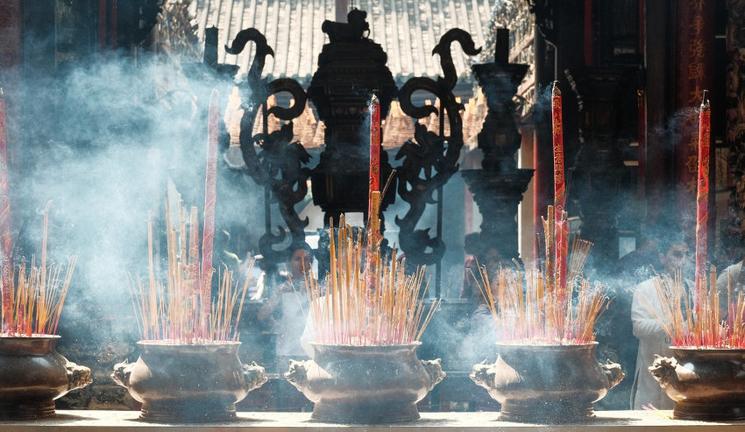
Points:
(407, 30)
(397, 129)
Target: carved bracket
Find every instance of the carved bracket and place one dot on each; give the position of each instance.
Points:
(272, 159)
(429, 160)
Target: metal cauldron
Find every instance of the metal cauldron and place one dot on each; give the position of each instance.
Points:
(365, 384)
(706, 384)
(33, 375)
(189, 383)
(547, 383)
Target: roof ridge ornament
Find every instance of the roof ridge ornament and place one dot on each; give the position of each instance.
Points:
(355, 29)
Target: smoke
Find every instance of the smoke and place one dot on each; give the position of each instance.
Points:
(101, 141)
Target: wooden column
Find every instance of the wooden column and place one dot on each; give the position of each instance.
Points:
(659, 88)
(11, 55)
(10, 34)
(734, 230)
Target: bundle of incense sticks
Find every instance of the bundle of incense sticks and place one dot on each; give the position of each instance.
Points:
(33, 300)
(174, 311)
(529, 307)
(708, 321)
(369, 299)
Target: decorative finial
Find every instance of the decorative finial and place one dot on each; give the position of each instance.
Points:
(502, 46)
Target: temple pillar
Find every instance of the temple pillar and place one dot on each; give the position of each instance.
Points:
(499, 185)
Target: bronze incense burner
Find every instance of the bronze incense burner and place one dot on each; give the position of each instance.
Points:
(365, 384)
(547, 383)
(188, 383)
(706, 384)
(33, 375)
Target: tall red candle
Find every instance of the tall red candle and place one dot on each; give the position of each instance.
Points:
(210, 200)
(5, 232)
(702, 193)
(375, 144)
(557, 130)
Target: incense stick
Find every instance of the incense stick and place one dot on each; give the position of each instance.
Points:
(699, 323)
(533, 307)
(381, 305)
(34, 297)
(172, 307)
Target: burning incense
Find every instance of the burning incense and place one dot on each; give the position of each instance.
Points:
(375, 144)
(210, 201)
(380, 307)
(528, 308)
(553, 305)
(172, 307)
(374, 196)
(6, 238)
(702, 324)
(702, 195)
(34, 297)
(698, 321)
(561, 227)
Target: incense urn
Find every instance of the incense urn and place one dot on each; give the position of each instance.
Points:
(706, 384)
(365, 384)
(547, 383)
(33, 374)
(192, 383)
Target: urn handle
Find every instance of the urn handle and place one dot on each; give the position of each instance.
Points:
(121, 373)
(434, 371)
(483, 375)
(668, 372)
(663, 370)
(77, 376)
(254, 375)
(613, 372)
(297, 374)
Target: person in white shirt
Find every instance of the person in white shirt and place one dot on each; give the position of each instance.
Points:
(732, 274)
(646, 392)
(286, 307)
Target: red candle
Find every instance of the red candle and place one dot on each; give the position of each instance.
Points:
(5, 233)
(559, 189)
(702, 194)
(375, 144)
(558, 141)
(210, 199)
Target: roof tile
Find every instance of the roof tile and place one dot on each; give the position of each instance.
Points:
(407, 30)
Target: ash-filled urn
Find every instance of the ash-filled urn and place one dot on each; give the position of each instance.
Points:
(547, 383)
(33, 374)
(706, 384)
(365, 384)
(188, 383)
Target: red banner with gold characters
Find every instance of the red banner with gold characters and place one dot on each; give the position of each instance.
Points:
(695, 37)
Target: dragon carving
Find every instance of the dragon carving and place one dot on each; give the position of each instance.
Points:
(429, 160)
(280, 163)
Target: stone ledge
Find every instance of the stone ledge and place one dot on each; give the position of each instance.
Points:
(109, 421)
